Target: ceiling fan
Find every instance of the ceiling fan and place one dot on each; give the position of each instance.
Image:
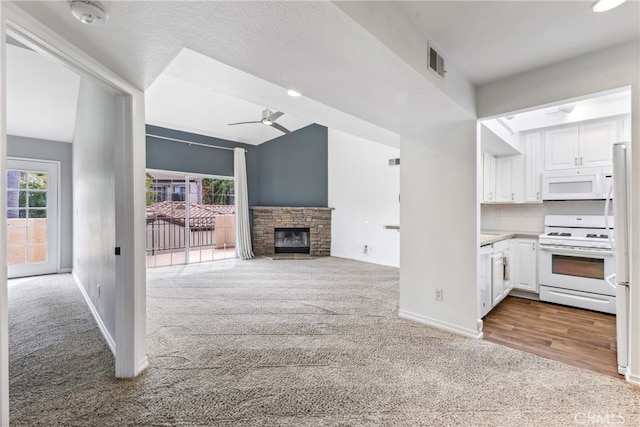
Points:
(268, 119)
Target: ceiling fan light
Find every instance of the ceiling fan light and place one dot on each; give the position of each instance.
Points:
(266, 122)
(605, 5)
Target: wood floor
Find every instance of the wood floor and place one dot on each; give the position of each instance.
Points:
(577, 337)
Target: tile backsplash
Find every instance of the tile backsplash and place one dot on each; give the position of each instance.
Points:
(529, 217)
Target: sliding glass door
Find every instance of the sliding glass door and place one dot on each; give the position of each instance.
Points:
(190, 218)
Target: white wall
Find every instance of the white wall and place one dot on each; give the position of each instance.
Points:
(94, 228)
(364, 191)
(388, 23)
(566, 80)
(576, 78)
(439, 217)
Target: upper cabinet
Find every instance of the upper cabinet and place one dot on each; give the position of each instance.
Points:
(561, 148)
(596, 141)
(509, 178)
(586, 145)
(625, 129)
(509, 188)
(488, 178)
(532, 167)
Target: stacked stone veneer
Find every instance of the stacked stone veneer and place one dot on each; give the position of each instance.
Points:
(267, 218)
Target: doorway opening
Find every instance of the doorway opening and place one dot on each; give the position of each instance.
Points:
(553, 309)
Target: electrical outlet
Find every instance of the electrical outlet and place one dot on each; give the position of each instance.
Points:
(437, 295)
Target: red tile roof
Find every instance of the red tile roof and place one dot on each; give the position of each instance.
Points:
(158, 176)
(200, 216)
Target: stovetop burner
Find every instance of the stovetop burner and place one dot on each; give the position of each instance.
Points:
(572, 231)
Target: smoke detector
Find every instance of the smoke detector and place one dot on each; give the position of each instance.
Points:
(89, 12)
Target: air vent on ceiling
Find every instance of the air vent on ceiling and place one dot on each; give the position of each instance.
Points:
(436, 61)
(394, 162)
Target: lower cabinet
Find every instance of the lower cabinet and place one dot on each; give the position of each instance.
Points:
(484, 280)
(506, 265)
(524, 264)
(500, 272)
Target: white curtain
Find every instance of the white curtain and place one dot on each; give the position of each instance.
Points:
(243, 231)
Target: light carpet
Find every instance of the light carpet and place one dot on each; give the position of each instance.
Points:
(285, 343)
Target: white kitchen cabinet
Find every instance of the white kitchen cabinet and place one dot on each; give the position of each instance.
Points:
(509, 179)
(586, 145)
(500, 272)
(561, 148)
(488, 177)
(624, 131)
(533, 167)
(596, 140)
(497, 278)
(484, 280)
(524, 264)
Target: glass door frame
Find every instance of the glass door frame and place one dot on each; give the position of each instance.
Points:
(52, 265)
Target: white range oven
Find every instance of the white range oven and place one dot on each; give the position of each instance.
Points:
(574, 261)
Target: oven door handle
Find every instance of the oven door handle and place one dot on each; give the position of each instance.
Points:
(575, 251)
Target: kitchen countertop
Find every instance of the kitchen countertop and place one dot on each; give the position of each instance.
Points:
(491, 236)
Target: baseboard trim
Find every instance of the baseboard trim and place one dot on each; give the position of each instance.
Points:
(440, 325)
(103, 329)
(632, 379)
(65, 270)
(524, 294)
(144, 364)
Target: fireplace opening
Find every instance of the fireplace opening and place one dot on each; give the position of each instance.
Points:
(292, 241)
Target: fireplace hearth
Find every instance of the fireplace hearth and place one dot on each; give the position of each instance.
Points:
(291, 240)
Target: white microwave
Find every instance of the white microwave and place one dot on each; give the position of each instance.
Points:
(576, 184)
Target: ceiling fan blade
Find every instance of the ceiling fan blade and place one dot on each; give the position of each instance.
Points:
(242, 123)
(276, 115)
(280, 127)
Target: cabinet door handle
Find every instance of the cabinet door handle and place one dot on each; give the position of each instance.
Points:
(580, 161)
(490, 196)
(512, 196)
(538, 195)
(575, 161)
(534, 246)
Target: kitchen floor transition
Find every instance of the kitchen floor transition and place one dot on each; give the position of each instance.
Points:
(577, 337)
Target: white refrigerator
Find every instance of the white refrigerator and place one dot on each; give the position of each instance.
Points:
(621, 175)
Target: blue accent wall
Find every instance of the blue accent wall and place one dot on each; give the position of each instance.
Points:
(290, 170)
(176, 156)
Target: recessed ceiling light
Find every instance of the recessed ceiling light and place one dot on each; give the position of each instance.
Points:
(89, 12)
(293, 93)
(604, 5)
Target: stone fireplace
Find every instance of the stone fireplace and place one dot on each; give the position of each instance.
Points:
(291, 230)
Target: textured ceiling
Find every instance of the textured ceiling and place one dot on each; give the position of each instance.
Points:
(489, 40)
(321, 51)
(311, 46)
(42, 96)
(177, 103)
